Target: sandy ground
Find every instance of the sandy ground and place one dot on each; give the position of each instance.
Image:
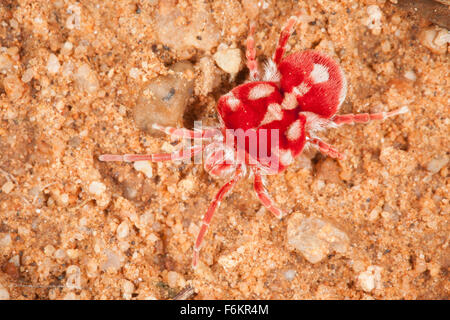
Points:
(71, 74)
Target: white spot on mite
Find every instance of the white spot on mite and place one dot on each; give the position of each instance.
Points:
(97, 188)
(319, 73)
(286, 157)
(315, 123)
(294, 131)
(301, 89)
(145, 167)
(232, 101)
(273, 113)
(289, 101)
(261, 91)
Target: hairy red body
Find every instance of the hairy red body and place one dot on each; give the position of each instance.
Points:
(267, 122)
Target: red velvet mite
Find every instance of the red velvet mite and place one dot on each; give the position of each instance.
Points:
(267, 122)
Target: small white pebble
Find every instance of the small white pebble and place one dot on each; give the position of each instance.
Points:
(27, 75)
(4, 294)
(64, 198)
(127, 289)
(289, 275)
(5, 62)
(113, 262)
(86, 79)
(15, 260)
(146, 218)
(5, 240)
(7, 187)
(97, 188)
(187, 184)
(83, 222)
(67, 69)
(229, 60)
(145, 167)
(435, 39)
(122, 230)
(67, 48)
(410, 75)
(370, 279)
(373, 22)
(70, 296)
(124, 246)
(59, 254)
(122, 110)
(53, 64)
(315, 238)
(92, 267)
(435, 165)
(134, 73)
(374, 13)
(374, 214)
(152, 238)
(49, 250)
(13, 23)
(80, 51)
(442, 37)
(172, 278)
(386, 46)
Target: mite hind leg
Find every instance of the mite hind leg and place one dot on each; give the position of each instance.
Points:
(264, 197)
(157, 157)
(209, 214)
(326, 149)
(366, 117)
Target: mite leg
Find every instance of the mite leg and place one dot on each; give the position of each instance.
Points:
(209, 214)
(326, 149)
(264, 197)
(284, 37)
(251, 54)
(157, 157)
(366, 117)
(186, 133)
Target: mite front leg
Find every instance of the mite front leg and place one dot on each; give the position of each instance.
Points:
(264, 197)
(209, 214)
(157, 157)
(284, 37)
(252, 65)
(366, 117)
(186, 133)
(327, 149)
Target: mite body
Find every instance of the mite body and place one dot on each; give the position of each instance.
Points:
(267, 122)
